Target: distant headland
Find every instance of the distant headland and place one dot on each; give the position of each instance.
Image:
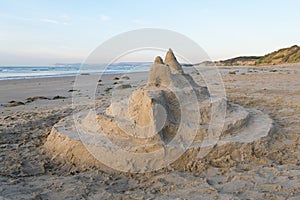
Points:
(281, 56)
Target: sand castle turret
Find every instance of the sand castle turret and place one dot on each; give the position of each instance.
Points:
(158, 60)
(171, 114)
(172, 62)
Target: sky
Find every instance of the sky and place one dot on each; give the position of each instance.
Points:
(42, 32)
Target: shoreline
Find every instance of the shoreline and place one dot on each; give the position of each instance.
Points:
(55, 90)
(286, 65)
(64, 75)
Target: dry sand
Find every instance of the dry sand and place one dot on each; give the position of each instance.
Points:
(27, 172)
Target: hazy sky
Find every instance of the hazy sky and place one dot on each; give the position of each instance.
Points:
(43, 32)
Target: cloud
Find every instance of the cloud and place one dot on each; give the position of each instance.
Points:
(104, 18)
(51, 21)
(64, 19)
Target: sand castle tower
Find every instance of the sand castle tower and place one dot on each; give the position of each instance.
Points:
(167, 122)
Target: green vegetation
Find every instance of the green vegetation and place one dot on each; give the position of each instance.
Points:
(286, 55)
(295, 57)
(242, 60)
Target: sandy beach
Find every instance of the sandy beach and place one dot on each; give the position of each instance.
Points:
(27, 171)
(147, 100)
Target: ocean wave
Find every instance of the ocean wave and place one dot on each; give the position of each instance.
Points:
(22, 72)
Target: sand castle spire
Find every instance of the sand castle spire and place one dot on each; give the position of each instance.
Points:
(172, 62)
(158, 60)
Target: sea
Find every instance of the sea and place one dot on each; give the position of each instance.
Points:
(61, 70)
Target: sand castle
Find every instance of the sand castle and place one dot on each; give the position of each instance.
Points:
(168, 122)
